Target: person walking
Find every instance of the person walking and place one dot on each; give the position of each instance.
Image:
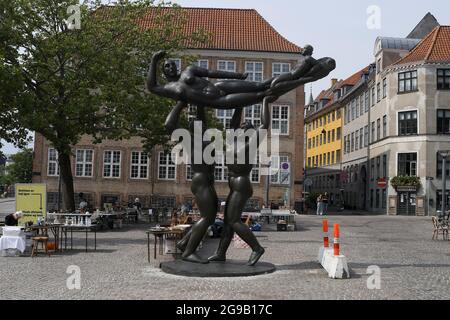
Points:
(325, 203)
(320, 205)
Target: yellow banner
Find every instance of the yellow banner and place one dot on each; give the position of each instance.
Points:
(31, 199)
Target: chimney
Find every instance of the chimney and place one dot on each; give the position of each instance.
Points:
(333, 82)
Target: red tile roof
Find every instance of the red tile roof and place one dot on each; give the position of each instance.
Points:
(435, 47)
(230, 29)
(355, 78)
(350, 81)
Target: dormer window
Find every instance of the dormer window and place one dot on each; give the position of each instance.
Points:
(378, 65)
(324, 102)
(337, 94)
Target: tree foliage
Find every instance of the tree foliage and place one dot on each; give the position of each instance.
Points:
(20, 170)
(67, 82)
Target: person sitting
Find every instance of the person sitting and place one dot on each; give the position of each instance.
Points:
(174, 220)
(83, 203)
(12, 220)
(137, 205)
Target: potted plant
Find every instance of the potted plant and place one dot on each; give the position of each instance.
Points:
(405, 181)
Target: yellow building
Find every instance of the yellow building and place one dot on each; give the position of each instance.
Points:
(323, 142)
(323, 125)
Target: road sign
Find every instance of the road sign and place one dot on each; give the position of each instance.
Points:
(381, 183)
(285, 166)
(31, 199)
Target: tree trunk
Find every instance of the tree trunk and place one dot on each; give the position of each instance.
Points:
(67, 181)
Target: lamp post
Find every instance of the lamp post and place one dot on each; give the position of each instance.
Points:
(269, 165)
(444, 155)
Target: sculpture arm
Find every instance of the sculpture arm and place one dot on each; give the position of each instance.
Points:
(201, 115)
(152, 77)
(236, 120)
(265, 112)
(173, 118)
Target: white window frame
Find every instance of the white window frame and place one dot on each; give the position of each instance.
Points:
(252, 72)
(139, 165)
(227, 64)
(199, 62)
(228, 115)
(84, 163)
(276, 161)
(279, 120)
(256, 169)
(408, 110)
(189, 169)
(112, 164)
(417, 162)
(167, 165)
(281, 65)
(252, 116)
(55, 162)
(221, 169)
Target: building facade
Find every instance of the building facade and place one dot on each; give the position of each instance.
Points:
(355, 108)
(396, 120)
(119, 171)
(414, 110)
(323, 143)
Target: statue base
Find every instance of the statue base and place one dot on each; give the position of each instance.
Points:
(230, 268)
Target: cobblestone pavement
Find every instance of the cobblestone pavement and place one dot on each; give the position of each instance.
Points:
(412, 266)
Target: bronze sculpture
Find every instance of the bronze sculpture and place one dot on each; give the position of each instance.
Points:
(192, 87)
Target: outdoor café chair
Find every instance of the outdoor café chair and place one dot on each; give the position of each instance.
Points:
(43, 240)
(439, 228)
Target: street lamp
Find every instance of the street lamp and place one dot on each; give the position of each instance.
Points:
(268, 176)
(444, 155)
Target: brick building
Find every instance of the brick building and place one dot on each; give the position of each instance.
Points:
(241, 41)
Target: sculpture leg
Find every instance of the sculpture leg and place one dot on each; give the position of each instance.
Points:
(240, 86)
(242, 191)
(206, 199)
(182, 244)
(225, 239)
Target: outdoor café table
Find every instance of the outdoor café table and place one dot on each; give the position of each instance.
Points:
(77, 218)
(78, 228)
(43, 230)
(160, 234)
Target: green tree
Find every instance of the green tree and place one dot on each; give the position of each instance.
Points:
(21, 168)
(10, 84)
(88, 80)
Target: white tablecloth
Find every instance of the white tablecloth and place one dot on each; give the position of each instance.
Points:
(13, 231)
(18, 243)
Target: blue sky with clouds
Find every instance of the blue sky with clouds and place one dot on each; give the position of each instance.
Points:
(335, 28)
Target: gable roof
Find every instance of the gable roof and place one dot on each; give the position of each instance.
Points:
(350, 81)
(329, 95)
(229, 29)
(435, 47)
(424, 27)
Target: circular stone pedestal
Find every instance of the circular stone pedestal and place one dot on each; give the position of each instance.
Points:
(230, 268)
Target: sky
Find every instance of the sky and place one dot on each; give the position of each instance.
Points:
(338, 29)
